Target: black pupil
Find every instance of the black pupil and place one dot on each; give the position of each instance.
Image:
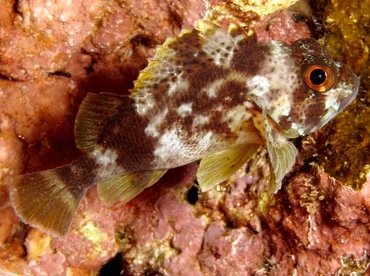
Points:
(317, 76)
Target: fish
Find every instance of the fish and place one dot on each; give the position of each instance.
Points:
(209, 95)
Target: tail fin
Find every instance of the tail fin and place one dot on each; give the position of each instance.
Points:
(49, 199)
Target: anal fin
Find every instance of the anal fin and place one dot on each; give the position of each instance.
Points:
(125, 187)
(220, 166)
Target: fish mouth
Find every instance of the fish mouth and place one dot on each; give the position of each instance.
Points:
(347, 74)
(349, 99)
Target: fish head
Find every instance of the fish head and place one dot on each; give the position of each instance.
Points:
(303, 88)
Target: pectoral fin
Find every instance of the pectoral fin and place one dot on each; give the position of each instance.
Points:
(282, 154)
(126, 187)
(221, 165)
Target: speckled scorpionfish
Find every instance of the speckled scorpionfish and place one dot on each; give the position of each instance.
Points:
(209, 95)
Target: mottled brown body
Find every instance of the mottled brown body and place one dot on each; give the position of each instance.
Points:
(208, 95)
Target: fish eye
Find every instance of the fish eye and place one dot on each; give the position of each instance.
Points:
(319, 78)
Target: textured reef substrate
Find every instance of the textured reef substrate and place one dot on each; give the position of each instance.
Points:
(51, 56)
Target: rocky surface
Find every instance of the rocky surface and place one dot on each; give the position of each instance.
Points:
(52, 55)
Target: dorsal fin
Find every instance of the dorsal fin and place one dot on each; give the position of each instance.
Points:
(175, 56)
(95, 112)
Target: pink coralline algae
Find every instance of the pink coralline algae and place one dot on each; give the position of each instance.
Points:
(312, 226)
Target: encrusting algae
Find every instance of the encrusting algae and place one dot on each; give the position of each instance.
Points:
(345, 143)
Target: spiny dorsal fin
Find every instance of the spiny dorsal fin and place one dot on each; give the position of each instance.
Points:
(126, 187)
(95, 112)
(222, 165)
(192, 46)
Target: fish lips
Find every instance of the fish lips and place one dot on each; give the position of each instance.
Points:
(347, 74)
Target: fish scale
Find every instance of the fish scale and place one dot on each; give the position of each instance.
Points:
(210, 95)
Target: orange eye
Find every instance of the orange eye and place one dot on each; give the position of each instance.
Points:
(319, 78)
